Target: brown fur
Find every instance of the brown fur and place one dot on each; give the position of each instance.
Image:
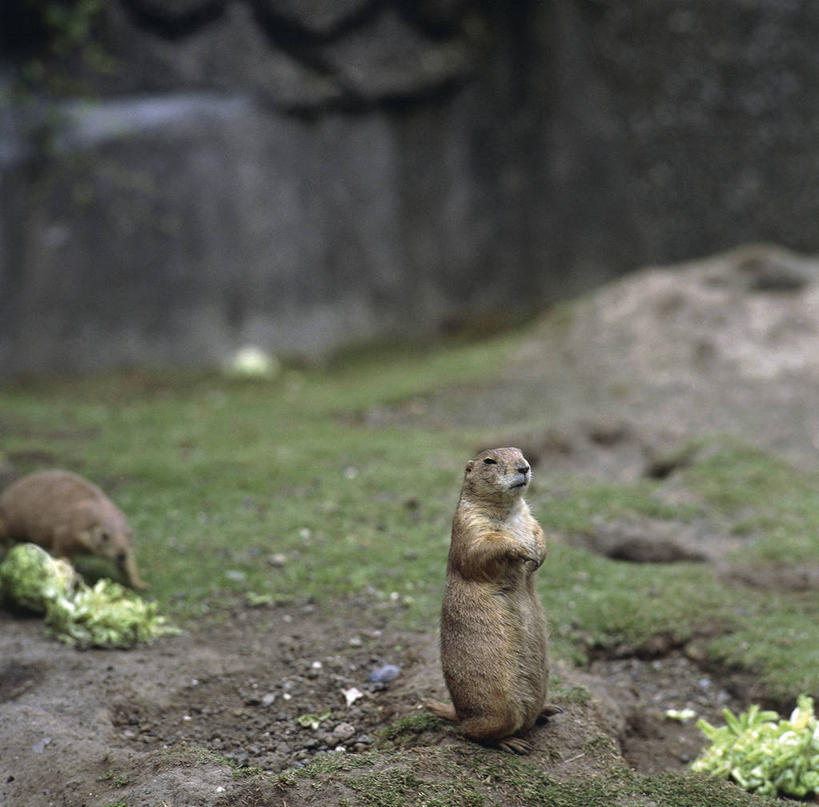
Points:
(67, 515)
(493, 628)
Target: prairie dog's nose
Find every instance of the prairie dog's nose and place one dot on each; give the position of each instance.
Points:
(523, 469)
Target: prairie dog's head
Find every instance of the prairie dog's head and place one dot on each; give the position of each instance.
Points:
(497, 474)
(107, 534)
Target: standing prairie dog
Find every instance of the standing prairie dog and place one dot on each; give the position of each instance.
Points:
(67, 515)
(493, 629)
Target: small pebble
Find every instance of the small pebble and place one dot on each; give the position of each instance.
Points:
(242, 758)
(388, 672)
(343, 731)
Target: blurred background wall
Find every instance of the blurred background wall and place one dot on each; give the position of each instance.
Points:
(181, 177)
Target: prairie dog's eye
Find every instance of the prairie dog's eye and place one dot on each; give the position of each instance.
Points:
(105, 537)
(490, 461)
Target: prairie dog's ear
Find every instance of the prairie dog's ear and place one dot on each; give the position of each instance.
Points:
(469, 466)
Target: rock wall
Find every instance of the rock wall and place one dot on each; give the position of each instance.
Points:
(309, 174)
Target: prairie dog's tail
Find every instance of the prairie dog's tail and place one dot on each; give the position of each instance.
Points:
(444, 710)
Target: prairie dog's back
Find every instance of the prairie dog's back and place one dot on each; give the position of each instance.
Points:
(38, 501)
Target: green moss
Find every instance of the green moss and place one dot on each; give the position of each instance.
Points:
(564, 693)
(401, 731)
(399, 786)
(472, 776)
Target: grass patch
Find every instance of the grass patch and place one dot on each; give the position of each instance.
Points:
(118, 780)
(475, 777)
(777, 638)
(578, 505)
(401, 731)
(222, 479)
(596, 602)
(772, 502)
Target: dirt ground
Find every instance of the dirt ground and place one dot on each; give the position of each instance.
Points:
(644, 363)
(137, 726)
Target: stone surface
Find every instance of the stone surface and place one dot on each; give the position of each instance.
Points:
(302, 176)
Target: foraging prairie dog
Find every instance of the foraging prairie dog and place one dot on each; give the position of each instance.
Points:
(493, 628)
(67, 515)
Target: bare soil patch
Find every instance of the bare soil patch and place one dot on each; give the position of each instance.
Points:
(176, 722)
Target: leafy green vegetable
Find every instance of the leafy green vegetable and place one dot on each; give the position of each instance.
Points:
(107, 615)
(31, 578)
(764, 754)
(311, 721)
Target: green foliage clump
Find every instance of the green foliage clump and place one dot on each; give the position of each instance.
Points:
(32, 579)
(764, 754)
(105, 615)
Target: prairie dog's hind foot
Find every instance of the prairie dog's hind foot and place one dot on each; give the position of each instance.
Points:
(514, 745)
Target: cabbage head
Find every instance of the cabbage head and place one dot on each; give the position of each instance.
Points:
(30, 578)
(105, 615)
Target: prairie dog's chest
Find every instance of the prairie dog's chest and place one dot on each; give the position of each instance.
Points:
(518, 526)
